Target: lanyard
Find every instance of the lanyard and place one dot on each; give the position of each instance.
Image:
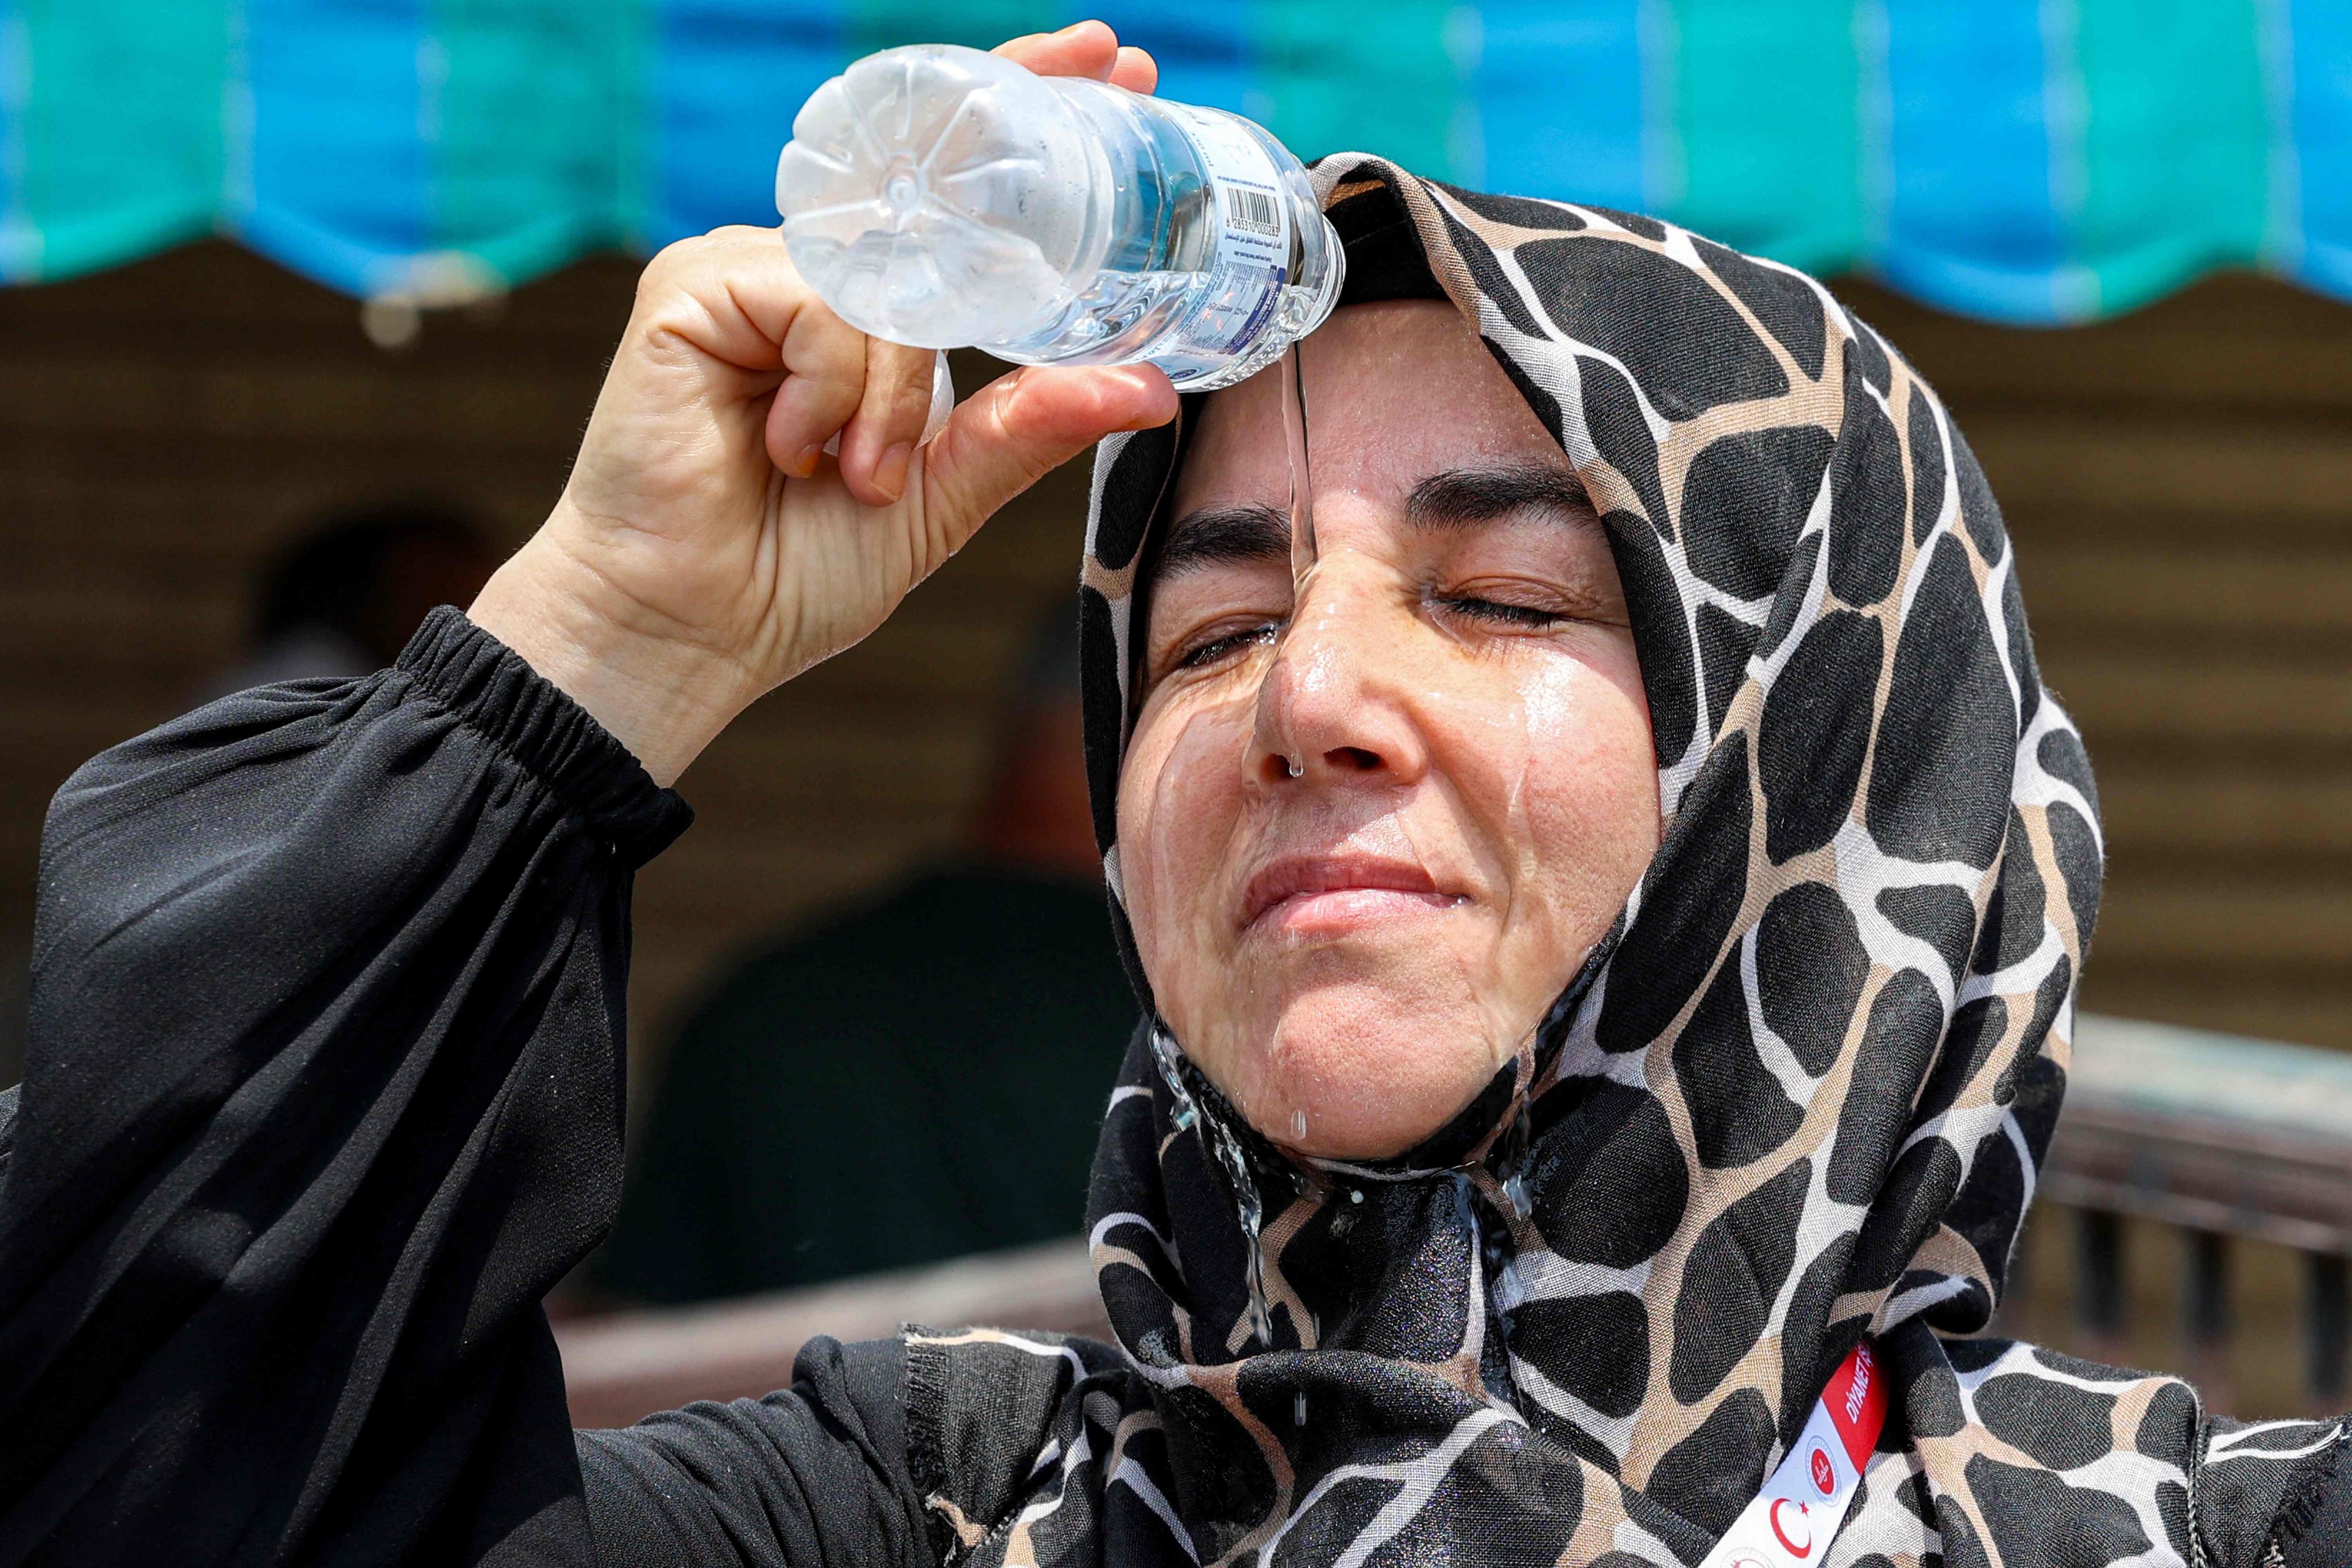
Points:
(1794, 1518)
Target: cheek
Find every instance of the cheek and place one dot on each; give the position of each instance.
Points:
(1549, 754)
(1180, 802)
(1590, 791)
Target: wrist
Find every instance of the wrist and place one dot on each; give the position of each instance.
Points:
(656, 691)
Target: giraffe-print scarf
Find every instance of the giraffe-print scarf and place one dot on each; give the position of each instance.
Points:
(1798, 1095)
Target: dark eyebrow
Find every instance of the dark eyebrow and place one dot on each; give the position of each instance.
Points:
(1462, 498)
(1456, 498)
(1214, 536)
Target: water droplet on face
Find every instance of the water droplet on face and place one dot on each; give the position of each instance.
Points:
(1298, 1124)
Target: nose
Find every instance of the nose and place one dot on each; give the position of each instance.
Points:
(1336, 705)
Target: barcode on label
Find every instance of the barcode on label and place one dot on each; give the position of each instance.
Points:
(1252, 211)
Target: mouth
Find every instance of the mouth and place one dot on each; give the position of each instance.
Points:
(1330, 894)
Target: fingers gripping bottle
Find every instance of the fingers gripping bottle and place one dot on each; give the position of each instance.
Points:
(943, 197)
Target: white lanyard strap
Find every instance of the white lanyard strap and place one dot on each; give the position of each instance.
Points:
(1795, 1516)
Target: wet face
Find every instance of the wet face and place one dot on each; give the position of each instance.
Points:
(1372, 819)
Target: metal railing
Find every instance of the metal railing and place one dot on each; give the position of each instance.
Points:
(2224, 1137)
(2227, 1138)
(619, 1367)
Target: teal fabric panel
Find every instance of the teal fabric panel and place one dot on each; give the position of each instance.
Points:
(20, 242)
(1767, 117)
(2164, 170)
(111, 117)
(728, 75)
(1202, 48)
(532, 124)
(1389, 77)
(871, 25)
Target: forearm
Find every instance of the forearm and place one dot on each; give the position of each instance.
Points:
(705, 551)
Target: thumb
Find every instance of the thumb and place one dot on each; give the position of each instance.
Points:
(1019, 427)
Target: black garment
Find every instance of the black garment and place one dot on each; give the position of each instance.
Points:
(324, 1093)
(920, 1079)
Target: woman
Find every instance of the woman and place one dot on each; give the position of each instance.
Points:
(1611, 919)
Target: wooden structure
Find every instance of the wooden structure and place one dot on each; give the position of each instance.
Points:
(2179, 486)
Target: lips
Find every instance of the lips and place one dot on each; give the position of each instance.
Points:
(1331, 891)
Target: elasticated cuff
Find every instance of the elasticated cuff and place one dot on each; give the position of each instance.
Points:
(488, 685)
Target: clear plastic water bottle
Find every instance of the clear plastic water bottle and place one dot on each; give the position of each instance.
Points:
(944, 197)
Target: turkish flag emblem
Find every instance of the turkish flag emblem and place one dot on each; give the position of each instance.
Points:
(1799, 1514)
(1824, 1477)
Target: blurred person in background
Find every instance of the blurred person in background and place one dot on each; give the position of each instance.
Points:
(829, 1109)
(346, 594)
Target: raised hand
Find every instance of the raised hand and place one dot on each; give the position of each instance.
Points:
(706, 549)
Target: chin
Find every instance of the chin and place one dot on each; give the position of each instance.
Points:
(1355, 1070)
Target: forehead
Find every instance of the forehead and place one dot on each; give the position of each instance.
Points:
(1396, 391)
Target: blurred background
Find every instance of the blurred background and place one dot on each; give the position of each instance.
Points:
(308, 301)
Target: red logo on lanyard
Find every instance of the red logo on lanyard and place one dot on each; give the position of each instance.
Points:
(1801, 1516)
(1778, 1526)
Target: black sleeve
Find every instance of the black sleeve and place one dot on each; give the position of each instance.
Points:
(323, 1093)
(2313, 1525)
(816, 1478)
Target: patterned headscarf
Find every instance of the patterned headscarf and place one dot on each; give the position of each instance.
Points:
(1799, 1094)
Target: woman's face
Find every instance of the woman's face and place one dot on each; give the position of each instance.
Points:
(1371, 819)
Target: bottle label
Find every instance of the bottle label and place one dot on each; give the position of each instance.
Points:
(1252, 261)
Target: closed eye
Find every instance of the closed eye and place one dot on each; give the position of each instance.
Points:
(1217, 649)
(1495, 611)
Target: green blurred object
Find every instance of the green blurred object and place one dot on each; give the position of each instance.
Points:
(832, 1110)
